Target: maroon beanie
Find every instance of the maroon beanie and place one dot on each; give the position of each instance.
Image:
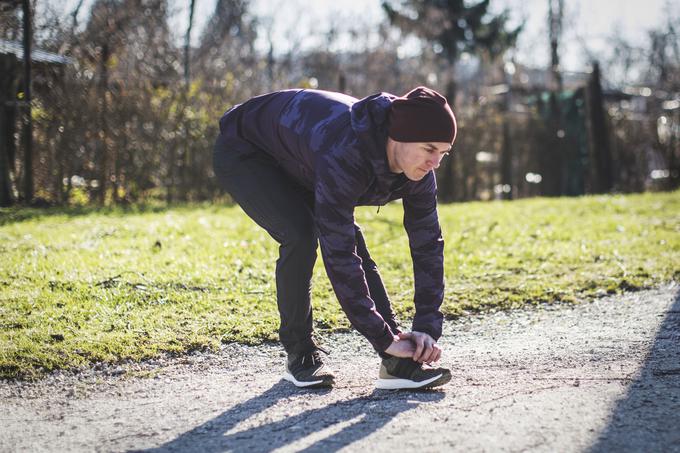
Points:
(422, 115)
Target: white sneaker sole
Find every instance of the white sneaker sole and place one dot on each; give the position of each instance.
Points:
(396, 384)
(289, 377)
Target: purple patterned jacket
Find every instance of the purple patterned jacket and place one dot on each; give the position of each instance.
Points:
(335, 145)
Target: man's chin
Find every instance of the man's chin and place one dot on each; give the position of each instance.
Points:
(416, 175)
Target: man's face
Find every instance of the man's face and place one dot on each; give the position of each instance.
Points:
(418, 159)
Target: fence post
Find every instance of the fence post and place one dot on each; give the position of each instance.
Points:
(600, 152)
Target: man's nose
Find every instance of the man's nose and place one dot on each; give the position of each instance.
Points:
(435, 161)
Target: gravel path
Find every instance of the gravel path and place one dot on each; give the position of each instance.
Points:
(600, 376)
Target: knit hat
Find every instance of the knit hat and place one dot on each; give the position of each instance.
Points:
(422, 115)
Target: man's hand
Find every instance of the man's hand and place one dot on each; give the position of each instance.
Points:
(399, 348)
(426, 349)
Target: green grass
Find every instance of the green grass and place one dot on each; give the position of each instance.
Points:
(87, 285)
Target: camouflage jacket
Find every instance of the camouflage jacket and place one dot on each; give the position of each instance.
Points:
(335, 146)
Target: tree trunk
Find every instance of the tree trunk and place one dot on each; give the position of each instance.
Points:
(555, 15)
(28, 120)
(5, 186)
(185, 162)
(7, 93)
(674, 156)
(61, 171)
(169, 194)
(103, 126)
(445, 176)
(187, 43)
(555, 146)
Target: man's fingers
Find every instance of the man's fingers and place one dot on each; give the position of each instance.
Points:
(420, 345)
(437, 355)
(427, 350)
(427, 353)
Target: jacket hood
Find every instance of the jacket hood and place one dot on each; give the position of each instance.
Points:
(369, 119)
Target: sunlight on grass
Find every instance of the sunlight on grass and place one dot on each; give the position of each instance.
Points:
(84, 286)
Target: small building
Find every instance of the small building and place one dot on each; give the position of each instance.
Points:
(45, 66)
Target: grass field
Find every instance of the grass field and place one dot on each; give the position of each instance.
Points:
(87, 285)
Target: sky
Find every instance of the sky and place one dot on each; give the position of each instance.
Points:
(588, 23)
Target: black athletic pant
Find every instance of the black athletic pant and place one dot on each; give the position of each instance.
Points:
(285, 209)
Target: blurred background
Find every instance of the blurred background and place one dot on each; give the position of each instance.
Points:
(119, 100)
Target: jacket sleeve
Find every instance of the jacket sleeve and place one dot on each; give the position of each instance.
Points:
(339, 184)
(427, 251)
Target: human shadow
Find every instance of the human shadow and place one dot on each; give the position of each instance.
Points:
(648, 417)
(345, 421)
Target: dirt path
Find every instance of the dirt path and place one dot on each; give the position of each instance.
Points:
(602, 376)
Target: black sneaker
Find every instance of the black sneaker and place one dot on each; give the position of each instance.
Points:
(308, 370)
(397, 373)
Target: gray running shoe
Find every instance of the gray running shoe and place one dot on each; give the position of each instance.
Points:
(397, 373)
(308, 370)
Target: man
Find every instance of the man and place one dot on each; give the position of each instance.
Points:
(298, 162)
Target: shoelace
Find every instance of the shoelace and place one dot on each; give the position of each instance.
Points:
(314, 355)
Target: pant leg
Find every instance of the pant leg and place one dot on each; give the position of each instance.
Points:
(285, 210)
(376, 287)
